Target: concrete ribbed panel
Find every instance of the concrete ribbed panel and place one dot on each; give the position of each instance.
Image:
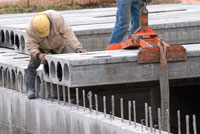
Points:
(116, 67)
(41, 117)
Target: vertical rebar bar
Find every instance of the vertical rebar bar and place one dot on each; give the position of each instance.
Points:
(179, 121)
(134, 113)
(16, 82)
(96, 104)
(159, 121)
(104, 105)
(187, 125)
(46, 90)
(51, 88)
(58, 93)
(83, 99)
(168, 121)
(69, 96)
(146, 115)
(77, 99)
(113, 106)
(90, 100)
(64, 94)
(194, 124)
(129, 112)
(122, 109)
(150, 120)
(3, 78)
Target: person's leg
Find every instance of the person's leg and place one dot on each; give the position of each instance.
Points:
(122, 21)
(135, 16)
(30, 77)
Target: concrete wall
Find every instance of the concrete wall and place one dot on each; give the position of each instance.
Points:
(20, 115)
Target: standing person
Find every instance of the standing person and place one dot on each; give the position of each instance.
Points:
(48, 32)
(128, 11)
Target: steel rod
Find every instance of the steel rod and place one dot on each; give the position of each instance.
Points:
(150, 120)
(146, 115)
(187, 125)
(122, 109)
(83, 99)
(134, 113)
(179, 121)
(77, 99)
(129, 112)
(104, 105)
(64, 94)
(113, 106)
(58, 93)
(96, 103)
(194, 124)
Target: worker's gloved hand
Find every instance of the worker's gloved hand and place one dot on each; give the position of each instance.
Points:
(42, 58)
(81, 50)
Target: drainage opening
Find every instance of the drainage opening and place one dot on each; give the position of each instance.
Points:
(7, 36)
(17, 41)
(7, 78)
(13, 80)
(53, 69)
(1, 70)
(20, 81)
(59, 71)
(66, 72)
(22, 42)
(2, 37)
(46, 69)
(12, 37)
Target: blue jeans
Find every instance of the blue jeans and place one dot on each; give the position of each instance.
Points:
(128, 11)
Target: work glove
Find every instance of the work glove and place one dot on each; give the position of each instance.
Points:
(42, 58)
(80, 50)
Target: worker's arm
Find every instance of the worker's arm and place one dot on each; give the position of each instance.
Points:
(33, 48)
(66, 31)
(32, 45)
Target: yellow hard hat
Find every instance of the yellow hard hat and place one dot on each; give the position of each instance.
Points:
(41, 24)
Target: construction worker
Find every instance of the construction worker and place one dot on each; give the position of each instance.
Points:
(128, 11)
(47, 32)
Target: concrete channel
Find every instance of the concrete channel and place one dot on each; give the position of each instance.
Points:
(105, 79)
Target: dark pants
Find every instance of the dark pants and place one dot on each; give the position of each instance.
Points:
(31, 70)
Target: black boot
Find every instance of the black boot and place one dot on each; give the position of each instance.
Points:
(30, 77)
(30, 82)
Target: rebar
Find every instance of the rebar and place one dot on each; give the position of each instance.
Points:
(122, 109)
(77, 98)
(134, 113)
(64, 94)
(146, 115)
(150, 120)
(179, 121)
(58, 93)
(187, 125)
(194, 124)
(104, 105)
(96, 103)
(83, 99)
(129, 112)
(113, 106)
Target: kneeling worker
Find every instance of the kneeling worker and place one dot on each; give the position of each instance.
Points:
(47, 32)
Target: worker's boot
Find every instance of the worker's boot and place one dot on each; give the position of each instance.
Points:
(30, 75)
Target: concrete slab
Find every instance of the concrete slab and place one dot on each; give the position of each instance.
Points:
(175, 23)
(115, 67)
